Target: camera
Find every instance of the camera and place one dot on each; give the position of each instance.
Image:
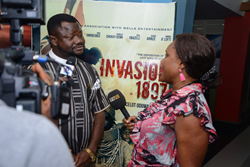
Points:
(21, 88)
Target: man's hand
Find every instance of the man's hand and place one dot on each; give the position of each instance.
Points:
(74, 156)
(82, 159)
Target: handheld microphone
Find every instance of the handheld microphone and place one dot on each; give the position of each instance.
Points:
(41, 59)
(69, 68)
(118, 101)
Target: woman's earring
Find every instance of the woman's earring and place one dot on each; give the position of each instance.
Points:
(182, 76)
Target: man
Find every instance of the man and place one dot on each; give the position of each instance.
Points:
(28, 139)
(84, 132)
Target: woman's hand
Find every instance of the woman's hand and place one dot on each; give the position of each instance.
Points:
(129, 123)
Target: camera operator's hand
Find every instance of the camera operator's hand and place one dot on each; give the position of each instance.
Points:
(45, 104)
(42, 74)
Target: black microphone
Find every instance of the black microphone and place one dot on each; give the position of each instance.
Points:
(71, 61)
(118, 101)
(41, 59)
(68, 70)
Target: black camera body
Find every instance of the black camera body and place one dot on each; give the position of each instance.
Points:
(19, 89)
(60, 101)
(22, 89)
(28, 11)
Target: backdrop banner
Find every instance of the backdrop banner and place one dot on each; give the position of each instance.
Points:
(132, 38)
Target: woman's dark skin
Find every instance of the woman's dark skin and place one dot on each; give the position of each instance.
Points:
(192, 139)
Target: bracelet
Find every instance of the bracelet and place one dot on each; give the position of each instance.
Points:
(92, 156)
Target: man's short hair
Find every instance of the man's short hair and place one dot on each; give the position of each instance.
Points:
(56, 22)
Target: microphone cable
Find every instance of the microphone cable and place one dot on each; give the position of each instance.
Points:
(57, 72)
(81, 103)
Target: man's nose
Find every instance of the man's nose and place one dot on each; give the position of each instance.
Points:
(78, 40)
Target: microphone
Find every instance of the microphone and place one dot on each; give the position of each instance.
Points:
(41, 59)
(118, 101)
(60, 101)
(69, 68)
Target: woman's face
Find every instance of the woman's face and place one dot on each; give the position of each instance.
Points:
(170, 65)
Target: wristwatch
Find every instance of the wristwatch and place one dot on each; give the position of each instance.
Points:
(92, 156)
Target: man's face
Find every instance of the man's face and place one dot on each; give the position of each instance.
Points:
(70, 40)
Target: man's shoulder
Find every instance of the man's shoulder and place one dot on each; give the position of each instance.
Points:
(85, 64)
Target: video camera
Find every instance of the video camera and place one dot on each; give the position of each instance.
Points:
(21, 88)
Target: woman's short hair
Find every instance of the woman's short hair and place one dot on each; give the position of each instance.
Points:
(198, 55)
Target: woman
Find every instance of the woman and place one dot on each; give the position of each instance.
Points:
(175, 130)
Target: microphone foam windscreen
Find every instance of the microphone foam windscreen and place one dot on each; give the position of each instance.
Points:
(116, 99)
(71, 60)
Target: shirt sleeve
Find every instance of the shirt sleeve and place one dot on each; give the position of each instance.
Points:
(193, 103)
(100, 103)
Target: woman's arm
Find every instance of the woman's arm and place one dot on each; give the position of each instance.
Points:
(192, 141)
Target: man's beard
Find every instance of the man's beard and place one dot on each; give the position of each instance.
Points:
(71, 53)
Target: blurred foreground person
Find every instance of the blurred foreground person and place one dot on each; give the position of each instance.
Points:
(30, 140)
(176, 130)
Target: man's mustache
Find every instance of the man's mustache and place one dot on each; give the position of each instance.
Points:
(78, 45)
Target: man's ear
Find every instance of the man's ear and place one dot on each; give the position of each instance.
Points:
(53, 40)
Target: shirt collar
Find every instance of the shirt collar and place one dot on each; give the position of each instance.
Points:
(186, 90)
(58, 59)
(198, 87)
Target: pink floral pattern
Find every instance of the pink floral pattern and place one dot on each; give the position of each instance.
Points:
(155, 141)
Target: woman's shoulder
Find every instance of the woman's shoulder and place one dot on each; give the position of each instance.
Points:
(189, 89)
